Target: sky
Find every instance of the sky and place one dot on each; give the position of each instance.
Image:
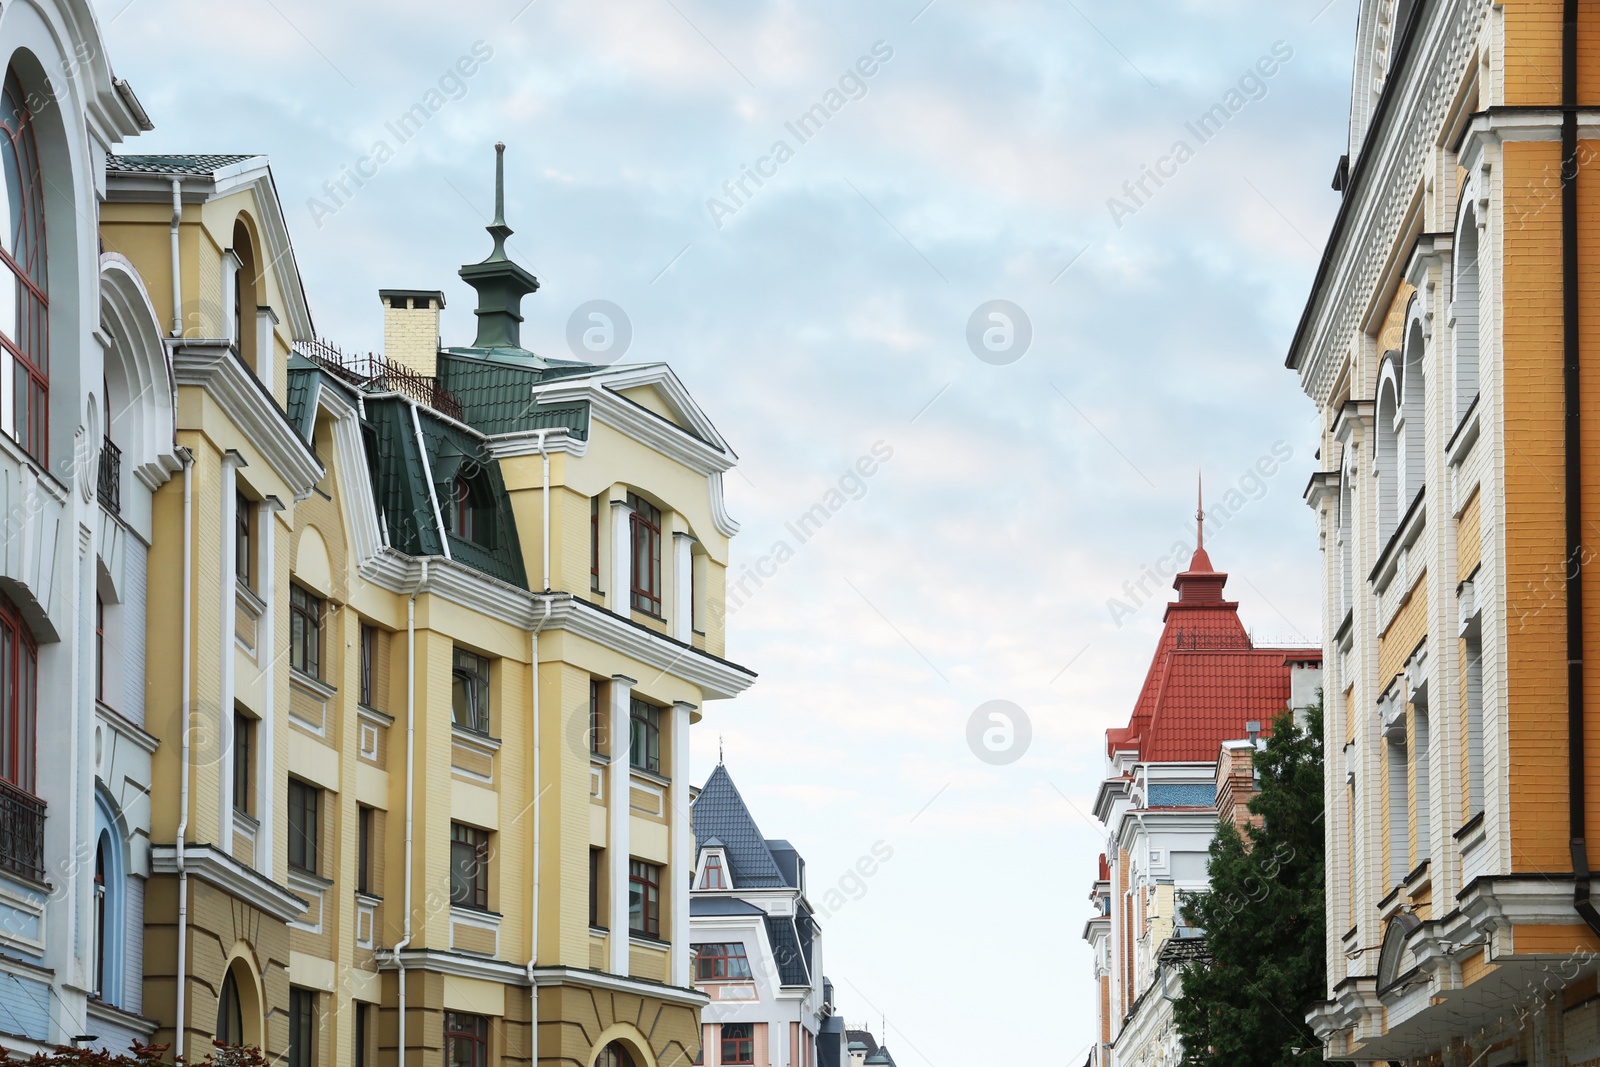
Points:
(834, 317)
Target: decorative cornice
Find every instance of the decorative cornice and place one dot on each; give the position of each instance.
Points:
(528, 443)
(212, 366)
(220, 870)
(560, 976)
(454, 963)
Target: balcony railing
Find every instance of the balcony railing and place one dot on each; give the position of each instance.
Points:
(110, 486)
(21, 832)
(375, 374)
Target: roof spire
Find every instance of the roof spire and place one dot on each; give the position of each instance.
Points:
(1200, 512)
(501, 283)
(719, 750)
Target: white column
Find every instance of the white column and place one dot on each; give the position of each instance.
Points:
(620, 597)
(230, 271)
(266, 319)
(266, 630)
(231, 462)
(683, 586)
(682, 842)
(619, 779)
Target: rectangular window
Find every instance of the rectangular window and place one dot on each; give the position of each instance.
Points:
(470, 695)
(244, 509)
(644, 899)
(305, 631)
(646, 527)
(363, 849)
(302, 1027)
(18, 702)
(466, 1040)
(369, 652)
(594, 544)
(644, 737)
(469, 867)
(1472, 700)
(597, 870)
(363, 1027)
(715, 963)
(305, 802)
(597, 724)
(243, 780)
(738, 1043)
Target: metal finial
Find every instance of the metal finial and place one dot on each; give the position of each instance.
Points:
(1200, 512)
(499, 183)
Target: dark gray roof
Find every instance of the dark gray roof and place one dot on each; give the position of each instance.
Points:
(788, 860)
(881, 1057)
(720, 813)
(196, 164)
(722, 906)
(793, 957)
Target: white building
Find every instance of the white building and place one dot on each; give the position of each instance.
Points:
(757, 945)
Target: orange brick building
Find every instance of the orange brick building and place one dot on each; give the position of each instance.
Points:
(1445, 343)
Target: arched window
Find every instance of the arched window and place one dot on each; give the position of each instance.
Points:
(1385, 457)
(1413, 407)
(230, 1012)
(24, 331)
(1465, 301)
(244, 296)
(1346, 550)
(614, 1055)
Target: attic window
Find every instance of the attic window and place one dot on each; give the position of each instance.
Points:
(711, 877)
(713, 963)
(468, 518)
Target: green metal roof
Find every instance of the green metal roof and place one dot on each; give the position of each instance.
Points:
(175, 164)
(300, 406)
(498, 397)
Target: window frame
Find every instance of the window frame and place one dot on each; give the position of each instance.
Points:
(364, 820)
(243, 756)
(306, 612)
(647, 877)
(99, 648)
(597, 725)
(594, 544)
(644, 729)
(19, 701)
(644, 528)
(28, 261)
(742, 1040)
(243, 539)
(714, 865)
(302, 1027)
(368, 663)
(597, 901)
(464, 667)
(473, 1030)
(309, 830)
(476, 840)
(725, 958)
(463, 516)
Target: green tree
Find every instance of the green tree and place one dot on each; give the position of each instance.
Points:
(1245, 1005)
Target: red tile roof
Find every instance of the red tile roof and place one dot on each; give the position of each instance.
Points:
(1206, 679)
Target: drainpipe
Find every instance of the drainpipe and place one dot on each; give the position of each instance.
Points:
(185, 675)
(177, 277)
(1577, 800)
(411, 765)
(546, 457)
(533, 924)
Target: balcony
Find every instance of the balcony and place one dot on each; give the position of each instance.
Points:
(21, 832)
(109, 488)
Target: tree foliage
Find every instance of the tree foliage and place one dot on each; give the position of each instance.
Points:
(139, 1056)
(1263, 916)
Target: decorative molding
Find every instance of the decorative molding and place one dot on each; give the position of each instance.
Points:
(212, 366)
(221, 871)
(562, 976)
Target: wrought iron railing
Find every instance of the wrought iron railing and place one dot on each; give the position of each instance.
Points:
(110, 486)
(377, 375)
(21, 832)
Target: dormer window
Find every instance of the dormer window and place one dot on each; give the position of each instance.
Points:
(716, 963)
(711, 876)
(464, 525)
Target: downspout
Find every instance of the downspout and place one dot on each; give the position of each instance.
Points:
(185, 676)
(177, 276)
(533, 923)
(543, 454)
(411, 765)
(1571, 355)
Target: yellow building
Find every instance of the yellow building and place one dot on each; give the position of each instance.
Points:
(1444, 344)
(376, 823)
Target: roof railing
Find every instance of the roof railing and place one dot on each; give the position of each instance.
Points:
(374, 374)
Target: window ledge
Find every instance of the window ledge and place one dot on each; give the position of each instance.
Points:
(250, 822)
(368, 899)
(253, 602)
(1460, 444)
(304, 881)
(473, 739)
(311, 684)
(599, 759)
(373, 715)
(649, 776)
(1405, 535)
(483, 917)
(599, 931)
(1470, 825)
(646, 941)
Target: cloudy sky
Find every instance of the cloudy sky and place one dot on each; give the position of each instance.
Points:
(824, 312)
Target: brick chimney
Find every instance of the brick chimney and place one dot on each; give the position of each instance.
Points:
(411, 328)
(1236, 782)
